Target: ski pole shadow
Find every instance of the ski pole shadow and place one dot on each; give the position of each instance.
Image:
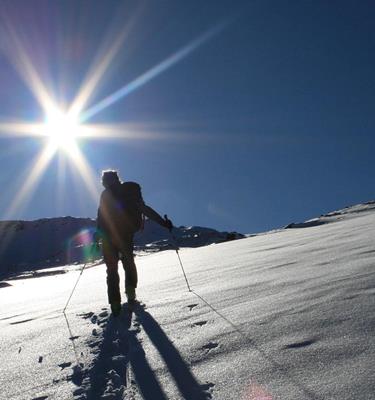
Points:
(144, 377)
(309, 394)
(188, 386)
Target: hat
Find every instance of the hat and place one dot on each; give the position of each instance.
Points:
(109, 178)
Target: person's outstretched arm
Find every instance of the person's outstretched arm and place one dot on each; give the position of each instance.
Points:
(152, 214)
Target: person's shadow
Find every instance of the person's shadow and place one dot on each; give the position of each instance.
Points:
(188, 386)
(120, 336)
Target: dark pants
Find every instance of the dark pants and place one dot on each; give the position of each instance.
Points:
(112, 254)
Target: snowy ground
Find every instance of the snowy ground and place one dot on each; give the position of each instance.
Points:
(284, 315)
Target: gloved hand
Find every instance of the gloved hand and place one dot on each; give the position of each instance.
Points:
(168, 223)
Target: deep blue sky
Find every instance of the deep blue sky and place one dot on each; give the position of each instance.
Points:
(270, 121)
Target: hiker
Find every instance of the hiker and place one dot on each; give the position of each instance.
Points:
(120, 216)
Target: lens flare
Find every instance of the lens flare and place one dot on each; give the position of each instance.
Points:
(256, 392)
(80, 247)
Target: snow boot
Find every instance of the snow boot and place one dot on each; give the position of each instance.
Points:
(130, 293)
(131, 296)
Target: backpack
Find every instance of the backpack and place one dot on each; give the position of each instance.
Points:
(120, 212)
(130, 198)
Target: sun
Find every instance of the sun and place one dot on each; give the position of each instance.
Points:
(62, 129)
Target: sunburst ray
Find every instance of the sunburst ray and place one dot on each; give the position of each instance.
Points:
(21, 61)
(21, 129)
(31, 182)
(85, 171)
(102, 61)
(153, 72)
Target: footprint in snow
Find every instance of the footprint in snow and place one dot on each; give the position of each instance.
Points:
(191, 306)
(77, 376)
(103, 314)
(65, 365)
(86, 315)
(102, 318)
(207, 387)
(297, 345)
(94, 343)
(199, 323)
(209, 346)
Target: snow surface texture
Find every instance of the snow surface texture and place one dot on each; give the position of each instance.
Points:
(283, 315)
(27, 245)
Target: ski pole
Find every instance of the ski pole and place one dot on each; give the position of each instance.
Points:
(178, 255)
(179, 258)
(71, 337)
(74, 288)
(79, 277)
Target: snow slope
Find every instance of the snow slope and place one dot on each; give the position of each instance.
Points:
(283, 315)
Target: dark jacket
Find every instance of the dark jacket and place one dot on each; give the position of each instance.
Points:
(120, 211)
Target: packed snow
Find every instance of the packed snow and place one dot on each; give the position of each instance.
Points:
(282, 315)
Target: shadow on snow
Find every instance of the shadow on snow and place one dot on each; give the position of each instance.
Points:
(121, 351)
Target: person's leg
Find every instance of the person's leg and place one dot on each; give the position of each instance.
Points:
(111, 258)
(131, 276)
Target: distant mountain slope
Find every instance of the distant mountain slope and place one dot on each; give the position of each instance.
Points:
(347, 212)
(66, 240)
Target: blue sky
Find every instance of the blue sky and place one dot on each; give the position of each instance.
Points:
(271, 120)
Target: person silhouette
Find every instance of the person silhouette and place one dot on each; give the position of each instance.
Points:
(120, 215)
